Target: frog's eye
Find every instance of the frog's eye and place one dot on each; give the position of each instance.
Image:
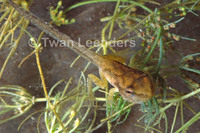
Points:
(129, 91)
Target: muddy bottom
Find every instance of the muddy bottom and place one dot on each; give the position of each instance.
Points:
(56, 62)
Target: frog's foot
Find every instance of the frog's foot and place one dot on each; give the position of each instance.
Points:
(111, 93)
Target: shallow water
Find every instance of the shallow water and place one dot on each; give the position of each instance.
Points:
(56, 61)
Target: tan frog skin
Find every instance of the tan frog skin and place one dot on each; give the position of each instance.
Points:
(134, 85)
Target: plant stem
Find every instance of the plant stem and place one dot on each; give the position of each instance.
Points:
(43, 99)
(45, 89)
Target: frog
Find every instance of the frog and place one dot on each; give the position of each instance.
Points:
(133, 85)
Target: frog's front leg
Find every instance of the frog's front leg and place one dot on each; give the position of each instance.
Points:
(102, 83)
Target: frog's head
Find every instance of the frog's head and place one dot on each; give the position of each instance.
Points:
(140, 90)
(134, 85)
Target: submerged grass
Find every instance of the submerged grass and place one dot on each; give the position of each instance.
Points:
(9, 27)
(70, 110)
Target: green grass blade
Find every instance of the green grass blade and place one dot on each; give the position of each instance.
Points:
(189, 56)
(154, 46)
(189, 123)
(160, 56)
(97, 1)
(190, 69)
